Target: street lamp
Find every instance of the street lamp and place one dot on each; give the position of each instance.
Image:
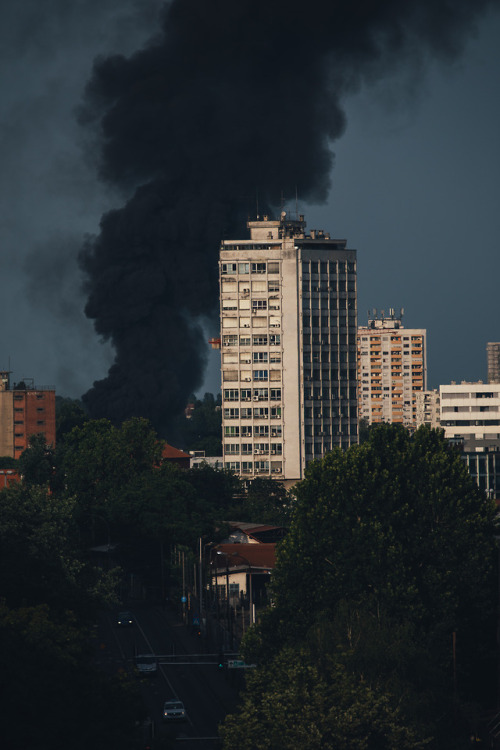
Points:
(250, 599)
(219, 552)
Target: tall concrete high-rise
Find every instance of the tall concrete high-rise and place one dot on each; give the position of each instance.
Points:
(25, 410)
(288, 343)
(493, 356)
(392, 368)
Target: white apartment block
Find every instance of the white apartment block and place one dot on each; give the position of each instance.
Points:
(428, 408)
(392, 369)
(470, 410)
(288, 345)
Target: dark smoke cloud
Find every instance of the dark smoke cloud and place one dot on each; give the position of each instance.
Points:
(230, 99)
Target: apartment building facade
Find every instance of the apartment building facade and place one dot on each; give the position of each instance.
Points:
(392, 368)
(288, 346)
(470, 411)
(428, 408)
(493, 359)
(25, 410)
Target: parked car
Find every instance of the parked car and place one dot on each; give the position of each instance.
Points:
(124, 619)
(173, 710)
(146, 665)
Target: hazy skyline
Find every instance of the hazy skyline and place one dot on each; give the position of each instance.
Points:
(414, 190)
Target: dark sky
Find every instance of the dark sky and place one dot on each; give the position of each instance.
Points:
(414, 190)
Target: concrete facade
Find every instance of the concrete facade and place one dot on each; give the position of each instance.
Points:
(392, 368)
(470, 410)
(493, 357)
(288, 346)
(428, 408)
(25, 410)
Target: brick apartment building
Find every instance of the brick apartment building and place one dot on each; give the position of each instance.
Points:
(25, 410)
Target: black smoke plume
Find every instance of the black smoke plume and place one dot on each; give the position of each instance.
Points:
(231, 99)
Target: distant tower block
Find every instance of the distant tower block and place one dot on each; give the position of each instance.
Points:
(493, 354)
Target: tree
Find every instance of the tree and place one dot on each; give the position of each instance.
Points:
(393, 526)
(37, 463)
(294, 702)
(69, 414)
(98, 460)
(203, 430)
(51, 694)
(38, 560)
(267, 501)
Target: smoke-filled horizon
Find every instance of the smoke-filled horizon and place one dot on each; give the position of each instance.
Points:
(227, 102)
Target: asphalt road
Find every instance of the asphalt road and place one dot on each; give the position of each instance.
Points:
(185, 672)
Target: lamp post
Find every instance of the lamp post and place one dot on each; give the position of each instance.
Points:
(250, 599)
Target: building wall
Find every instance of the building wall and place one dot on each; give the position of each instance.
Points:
(392, 369)
(25, 412)
(493, 357)
(288, 308)
(470, 410)
(427, 408)
(6, 423)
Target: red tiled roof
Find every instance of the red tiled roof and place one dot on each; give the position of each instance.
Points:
(170, 452)
(242, 555)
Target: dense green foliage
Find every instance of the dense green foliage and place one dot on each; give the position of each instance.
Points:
(101, 509)
(203, 430)
(297, 702)
(389, 565)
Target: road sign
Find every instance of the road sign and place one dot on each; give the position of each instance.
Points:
(238, 664)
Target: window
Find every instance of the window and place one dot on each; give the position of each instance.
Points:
(275, 412)
(229, 340)
(228, 268)
(260, 412)
(246, 414)
(260, 375)
(260, 340)
(273, 267)
(261, 430)
(260, 394)
(246, 430)
(231, 413)
(260, 356)
(244, 340)
(246, 394)
(275, 394)
(231, 395)
(258, 267)
(273, 286)
(261, 448)
(275, 339)
(243, 267)
(246, 467)
(232, 466)
(231, 431)
(246, 449)
(232, 448)
(259, 304)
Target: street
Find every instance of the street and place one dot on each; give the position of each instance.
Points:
(184, 673)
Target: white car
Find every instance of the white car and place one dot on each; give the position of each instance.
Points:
(146, 664)
(173, 710)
